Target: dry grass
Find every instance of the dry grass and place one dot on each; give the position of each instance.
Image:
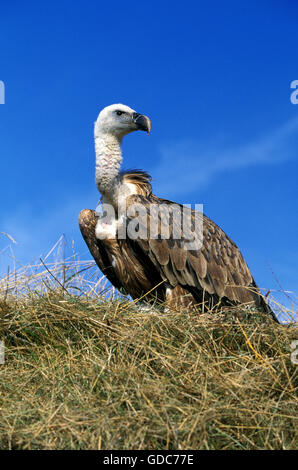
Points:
(86, 372)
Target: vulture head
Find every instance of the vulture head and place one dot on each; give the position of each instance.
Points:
(120, 120)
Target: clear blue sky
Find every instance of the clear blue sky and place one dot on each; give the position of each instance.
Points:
(214, 77)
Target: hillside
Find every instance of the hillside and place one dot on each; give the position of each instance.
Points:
(87, 372)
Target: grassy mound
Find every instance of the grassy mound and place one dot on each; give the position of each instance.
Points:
(83, 373)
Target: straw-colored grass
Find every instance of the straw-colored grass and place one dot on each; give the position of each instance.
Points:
(84, 371)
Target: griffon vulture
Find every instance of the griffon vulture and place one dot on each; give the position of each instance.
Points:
(144, 248)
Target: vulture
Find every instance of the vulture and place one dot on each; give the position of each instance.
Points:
(153, 249)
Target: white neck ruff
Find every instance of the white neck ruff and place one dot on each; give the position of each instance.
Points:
(108, 162)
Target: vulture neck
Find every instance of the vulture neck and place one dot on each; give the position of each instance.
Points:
(108, 162)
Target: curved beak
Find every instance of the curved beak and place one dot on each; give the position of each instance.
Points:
(142, 122)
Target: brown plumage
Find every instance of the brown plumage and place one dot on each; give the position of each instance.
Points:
(152, 248)
(216, 274)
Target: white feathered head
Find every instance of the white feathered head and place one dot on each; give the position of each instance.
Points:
(119, 119)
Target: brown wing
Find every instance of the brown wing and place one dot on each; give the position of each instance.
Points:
(87, 222)
(205, 261)
(119, 263)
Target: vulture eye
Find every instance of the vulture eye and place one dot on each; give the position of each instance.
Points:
(119, 113)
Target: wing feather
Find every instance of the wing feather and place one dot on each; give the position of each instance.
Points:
(87, 222)
(216, 266)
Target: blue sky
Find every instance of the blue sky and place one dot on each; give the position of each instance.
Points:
(213, 78)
